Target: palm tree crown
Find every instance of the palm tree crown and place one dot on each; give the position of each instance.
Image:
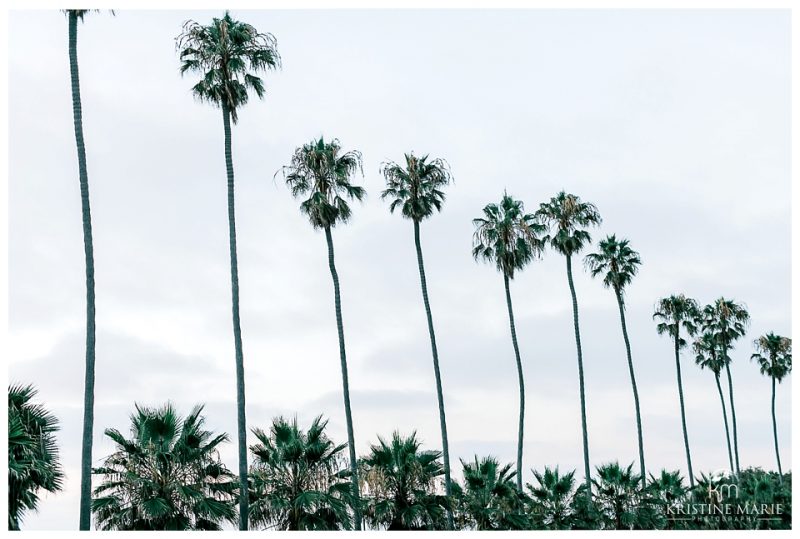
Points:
(507, 235)
(322, 173)
(774, 355)
(615, 261)
(676, 311)
(166, 476)
(417, 187)
(567, 216)
(300, 479)
(489, 499)
(727, 320)
(708, 353)
(227, 54)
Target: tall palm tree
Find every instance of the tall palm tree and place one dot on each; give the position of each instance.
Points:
(510, 238)
(166, 476)
(728, 321)
(417, 189)
(300, 479)
(618, 264)
(401, 485)
(33, 462)
(708, 355)
(227, 54)
(673, 312)
(567, 217)
(489, 499)
(321, 174)
(73, 16)
(774, 357)
(552, 498)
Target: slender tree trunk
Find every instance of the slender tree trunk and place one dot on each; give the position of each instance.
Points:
(88, 384)
(725, 417)
(521, 429)
(237, 330)
(683, 409)
(351, 441)
(775, 433)
(621, 305)
(585, 430)
(437, 374)
(733, 412)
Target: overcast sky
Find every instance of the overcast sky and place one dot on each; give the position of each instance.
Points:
(675, 124)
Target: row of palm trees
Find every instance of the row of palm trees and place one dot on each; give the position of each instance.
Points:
(229, 55)
(167, 475)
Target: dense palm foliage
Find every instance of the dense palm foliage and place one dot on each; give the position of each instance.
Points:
(510, 238)
(774, 357)
(166, 476)
(673, 313)
(401, 485)
(727, 321)
(489, 499)
(300, 480)
(708, 355)
(552, 499)
(74, 16)
(567, 218)
(622, 500)
(33, 461)
(617, 263)
(321, 174)
(417, 189)
(228, 54)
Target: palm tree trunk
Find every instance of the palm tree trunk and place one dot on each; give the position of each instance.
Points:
(521, 429)
(725, 417)
(351, 441)
(88, 248)
(580, 380)
(733, 414)
(437, 374)
(621, 305)
(775, 433)
(683, 410)
(237, 330)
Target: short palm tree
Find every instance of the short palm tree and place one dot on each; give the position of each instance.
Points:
(166, 476)
(728, 321)
(74, 16)
(510, 238)
(401, 485)
(617, 263)
(552, 498)
(489, 499)
(774, 357)
(321, 174)
(674, 312)
(708, 355)
(33, 462)
(622, 501)
(228, 54)
(300, 479)
(417, 189)
(567, 217)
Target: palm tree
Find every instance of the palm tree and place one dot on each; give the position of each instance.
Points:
(621, 499)
(552, 498)
(227, 54)
(708, 355)
(728, 321)
(300, 479)
(401, 485)
(510, 238)
(166, 476)
(567, 218)
(416, 189)
(489, 499)
(673, 312)
(33, 462)
(73, 16)
(774, 357)
(321, 174)
(668, 489)
(618, 264)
